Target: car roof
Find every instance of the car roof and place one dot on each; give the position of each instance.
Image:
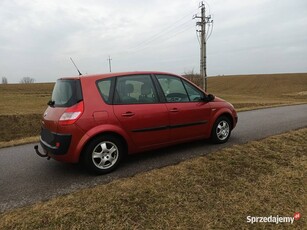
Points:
(107, 75)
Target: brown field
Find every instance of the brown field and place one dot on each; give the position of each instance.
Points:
(255, 91)
(16, 99)
(22, 104)
(216, 191)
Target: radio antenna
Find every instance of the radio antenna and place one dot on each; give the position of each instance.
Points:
(80, 74)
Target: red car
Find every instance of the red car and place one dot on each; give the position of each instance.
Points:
(98, 119)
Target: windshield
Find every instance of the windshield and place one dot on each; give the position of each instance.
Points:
(66, 93)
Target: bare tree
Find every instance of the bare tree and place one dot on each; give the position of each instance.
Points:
(194, 77)
(190, 73)
(27, 80)
(4, 80)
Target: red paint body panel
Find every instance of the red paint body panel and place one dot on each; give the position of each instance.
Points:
(141, 126)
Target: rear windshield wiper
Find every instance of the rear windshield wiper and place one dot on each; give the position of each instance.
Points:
(51, 103)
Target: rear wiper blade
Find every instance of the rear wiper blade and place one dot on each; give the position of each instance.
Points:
(51, 103)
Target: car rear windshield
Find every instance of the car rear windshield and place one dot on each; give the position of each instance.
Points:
(66, 93)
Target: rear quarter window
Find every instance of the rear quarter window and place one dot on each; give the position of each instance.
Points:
(66, 93)
(104, 87)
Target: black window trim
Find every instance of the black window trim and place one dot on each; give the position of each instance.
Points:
(159, 89)
(186, 90)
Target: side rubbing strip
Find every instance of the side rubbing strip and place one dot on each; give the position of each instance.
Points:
(188, 124)
(150, 129)
(170, 127)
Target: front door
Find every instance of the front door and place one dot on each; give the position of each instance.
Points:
(189, 115)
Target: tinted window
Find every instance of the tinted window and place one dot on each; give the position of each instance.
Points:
(173, 88)
(66, 93)
(136, 89)
(194, 93)
(104, 87)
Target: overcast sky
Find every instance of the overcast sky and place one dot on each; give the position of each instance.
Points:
(38, 37)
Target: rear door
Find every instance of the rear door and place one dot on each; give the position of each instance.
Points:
(139, 111)
(189, 115)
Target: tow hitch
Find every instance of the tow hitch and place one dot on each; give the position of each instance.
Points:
(41, 154)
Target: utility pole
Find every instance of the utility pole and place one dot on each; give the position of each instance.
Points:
(204, 21)
(110, 67)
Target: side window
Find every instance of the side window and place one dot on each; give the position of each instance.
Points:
(137, 89)
(194, 93)
(173, 88)
(104, 87)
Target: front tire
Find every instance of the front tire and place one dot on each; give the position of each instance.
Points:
(103, 154)
(221, 130)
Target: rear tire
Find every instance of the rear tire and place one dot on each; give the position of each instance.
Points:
(221, 130)
(103, 154)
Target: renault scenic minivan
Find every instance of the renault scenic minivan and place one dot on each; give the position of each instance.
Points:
(98, 119)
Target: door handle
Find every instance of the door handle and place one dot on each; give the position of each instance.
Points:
(174, 110)
(128, 114)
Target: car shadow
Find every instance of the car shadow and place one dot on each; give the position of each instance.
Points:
(140, 162)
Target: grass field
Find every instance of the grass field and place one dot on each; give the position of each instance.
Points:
(216, 191)
(23, 104)
(16, 99)
(253, 91)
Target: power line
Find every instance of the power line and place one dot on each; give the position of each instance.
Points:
(174, 29)
(163, 34)
(167, 29)
(165, 38)
(162, 38)
(209, 33)
(179, 32)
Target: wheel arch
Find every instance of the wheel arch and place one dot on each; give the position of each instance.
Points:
(213, 133)
(228, 115)
(104, 133)
(100, 131)
(225, 113)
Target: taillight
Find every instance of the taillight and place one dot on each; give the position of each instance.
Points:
(72, 114)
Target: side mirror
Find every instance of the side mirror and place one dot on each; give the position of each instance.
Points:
(208, 98)
(211, 97)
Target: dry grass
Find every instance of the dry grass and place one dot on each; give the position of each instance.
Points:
(14, 127)
(253, 91)
(22, 141)
(261, 90)
(217, 191)
(22, 104)
(18, 99)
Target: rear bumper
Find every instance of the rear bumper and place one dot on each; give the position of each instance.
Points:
(55, 143)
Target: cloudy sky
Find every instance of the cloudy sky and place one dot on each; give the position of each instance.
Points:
(38, 37)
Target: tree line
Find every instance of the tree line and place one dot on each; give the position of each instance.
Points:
(24, 80)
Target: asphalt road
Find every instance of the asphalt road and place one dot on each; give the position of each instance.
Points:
(26, 178)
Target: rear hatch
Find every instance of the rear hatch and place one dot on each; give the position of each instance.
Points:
(64, 106)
